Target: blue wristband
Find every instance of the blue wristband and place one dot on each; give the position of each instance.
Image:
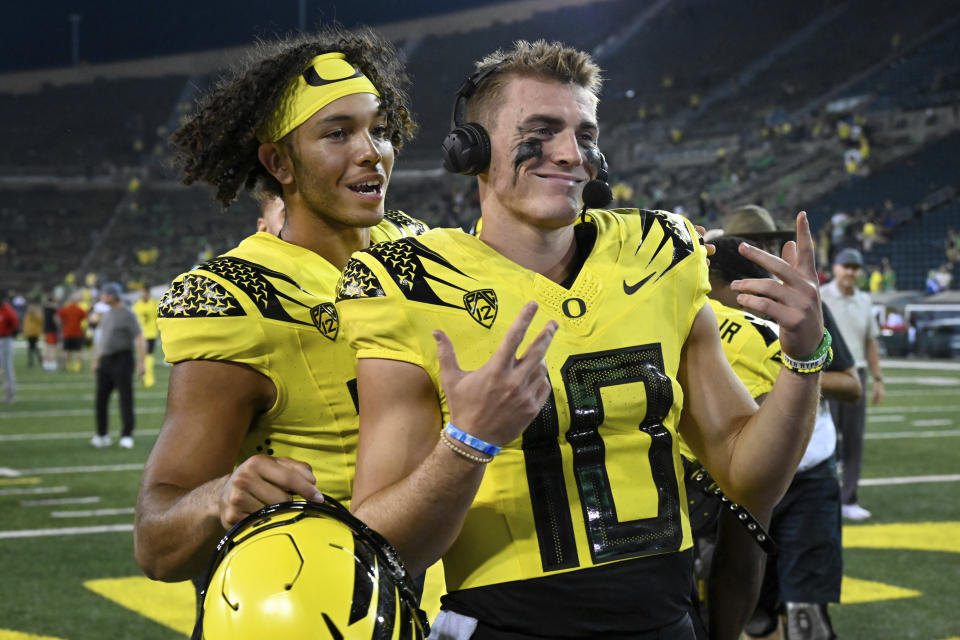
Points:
(470, 441)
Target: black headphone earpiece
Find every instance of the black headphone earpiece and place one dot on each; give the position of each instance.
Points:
(603, 172)
(466, 149)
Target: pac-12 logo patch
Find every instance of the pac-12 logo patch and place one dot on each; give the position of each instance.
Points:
(325, 317)
(482, 306)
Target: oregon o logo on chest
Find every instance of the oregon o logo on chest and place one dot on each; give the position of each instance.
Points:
(574, 307)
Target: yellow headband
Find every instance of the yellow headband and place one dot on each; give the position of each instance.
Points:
(328, 77)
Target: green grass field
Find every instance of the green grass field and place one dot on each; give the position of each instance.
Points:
(66, 548)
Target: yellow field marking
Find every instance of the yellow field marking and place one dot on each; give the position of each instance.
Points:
(913, 536)
(854, 591)
(170, 604)
(918, 536)
(7, 634)
(8, 481)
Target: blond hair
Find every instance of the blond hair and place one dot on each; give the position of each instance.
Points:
(539, 59)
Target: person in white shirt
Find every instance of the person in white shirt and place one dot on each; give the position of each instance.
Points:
(852, 310)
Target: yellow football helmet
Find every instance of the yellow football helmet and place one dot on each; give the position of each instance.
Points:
(307, 570)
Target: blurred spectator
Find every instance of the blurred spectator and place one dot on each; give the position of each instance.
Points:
(838, 230)
(889, 275)
(868, 234)
(113, 364)
(32, 328)
(51, 334)
(622, 194)
(71, 317)
(9, 325)
(823, 246)
(951, 245)
(931, 285)
(944, 277)
(876, 280)
(853, 311)
(145, 308)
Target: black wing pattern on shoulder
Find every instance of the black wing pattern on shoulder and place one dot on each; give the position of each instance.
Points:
(196, 296)
(403, 261)
(674, 232)
(358, 281)
(407, 225)
(252, 279)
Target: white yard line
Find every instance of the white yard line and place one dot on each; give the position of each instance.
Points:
(934, 365)
(45, 386)
(66, 531)
(893, 435)
(67, 435)
(93, 513)
(85, 397)
(923, 381)
(41, 471)
(29, 491)
(68, 413)
(945, 422)
(890, 418)
(880, 482)
(944, 408)
(51, 502)
(922, 393)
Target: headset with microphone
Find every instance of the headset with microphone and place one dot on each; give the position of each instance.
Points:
(466, 148)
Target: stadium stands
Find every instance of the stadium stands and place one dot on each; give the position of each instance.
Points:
(705, 106)
(86, 129)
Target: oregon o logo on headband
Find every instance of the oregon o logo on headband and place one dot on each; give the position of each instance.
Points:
(328, 77)
(333, 70)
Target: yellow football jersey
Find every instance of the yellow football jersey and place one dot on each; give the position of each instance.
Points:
(146, 312)
(268, 304)
(751, 346)
(596, 477)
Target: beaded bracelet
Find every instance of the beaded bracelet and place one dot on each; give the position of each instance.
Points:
(821, 358)
(472, 442)
(460, 452)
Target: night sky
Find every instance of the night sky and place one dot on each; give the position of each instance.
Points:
(35, 35)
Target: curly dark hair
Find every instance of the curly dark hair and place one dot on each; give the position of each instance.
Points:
(218, 144)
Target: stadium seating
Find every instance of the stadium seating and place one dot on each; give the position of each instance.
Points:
(761, 133)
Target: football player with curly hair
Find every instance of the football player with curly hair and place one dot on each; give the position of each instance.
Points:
(261, 402)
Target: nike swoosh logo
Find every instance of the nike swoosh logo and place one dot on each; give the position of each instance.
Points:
(632, 289)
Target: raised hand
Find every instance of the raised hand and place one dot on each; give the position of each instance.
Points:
(263, 480)
(497, 401)
(792, 301)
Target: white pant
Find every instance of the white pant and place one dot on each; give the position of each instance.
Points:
(6, 364)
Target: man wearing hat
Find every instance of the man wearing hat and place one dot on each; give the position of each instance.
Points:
(754, 223)
(852, 310)
(806, 574)
(113, 364)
